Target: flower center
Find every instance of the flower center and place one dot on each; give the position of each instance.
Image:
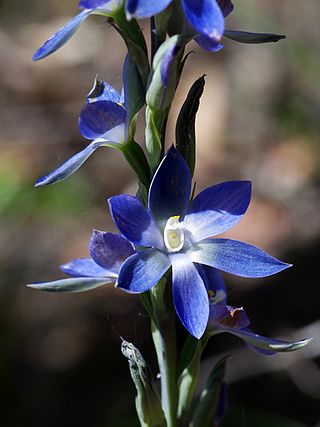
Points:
(173, 234)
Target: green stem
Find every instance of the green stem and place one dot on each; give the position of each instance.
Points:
(164, 338)
(189, 368)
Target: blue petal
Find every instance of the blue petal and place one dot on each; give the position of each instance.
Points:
(214, 283)
(99, 117)
(208, 44)
(226, 7)
(170, 188)
(102, 91)
(107, 6)
(205, 16)
(217, 209)
(238, 258)
(61, 36)
(134, 221)
(260, 350)
(189, 294)
(228, 316)
(76, 284)
(74, 163)
(143, 270)
(67, 168)
(258, 342)
(144, 8)
(109, 250)
(84, 267)
(113, 137)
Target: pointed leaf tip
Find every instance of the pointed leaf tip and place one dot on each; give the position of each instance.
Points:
(293, 346)
(60, 38)
(74, 284)
(253, 38)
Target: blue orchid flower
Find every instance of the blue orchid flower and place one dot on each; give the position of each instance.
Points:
(103, 120)
(205, 17)
(108, 251)
(224, 318)
(177, 235)
(233, 320)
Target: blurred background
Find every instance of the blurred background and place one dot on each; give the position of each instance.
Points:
(60, 360)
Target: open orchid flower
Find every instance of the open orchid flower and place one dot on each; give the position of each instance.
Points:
(178, 235)
(103, 120)
(233, 320)
(225, 318)
(108, 251)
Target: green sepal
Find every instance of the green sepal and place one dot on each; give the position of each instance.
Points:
(148, 403)
(159, 96)
(205, 411)
(185, 127)
(253, 38)
(134, 40)
(188, 374)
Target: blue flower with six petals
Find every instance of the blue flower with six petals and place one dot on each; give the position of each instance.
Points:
(174, 233)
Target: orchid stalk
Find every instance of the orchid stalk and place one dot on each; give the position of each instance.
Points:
(168, 248)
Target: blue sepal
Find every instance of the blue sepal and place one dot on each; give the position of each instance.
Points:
(75, 284)
(205, 17)
(170, 188)
(109, 250)
(217, 209)
(73, 164)
(143, 270)
(84, 267)
(61, 36)
(208, 44)
(189, 295)
(144, 8)
(238, 258)
(134, 221)
(99, 117)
